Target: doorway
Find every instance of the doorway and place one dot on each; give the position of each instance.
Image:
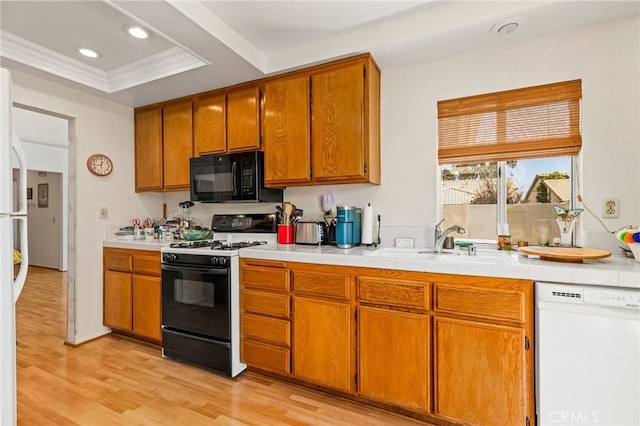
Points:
(48, 143)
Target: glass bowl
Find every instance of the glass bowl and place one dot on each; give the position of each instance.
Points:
(195, 234)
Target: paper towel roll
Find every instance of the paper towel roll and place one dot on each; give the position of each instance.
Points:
(367, 225)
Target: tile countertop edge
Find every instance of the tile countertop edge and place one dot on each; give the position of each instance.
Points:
(151, 245)
(616, 271)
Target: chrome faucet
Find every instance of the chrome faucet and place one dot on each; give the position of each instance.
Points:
(439, 235)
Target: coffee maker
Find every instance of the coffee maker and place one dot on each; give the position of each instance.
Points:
(348, 226)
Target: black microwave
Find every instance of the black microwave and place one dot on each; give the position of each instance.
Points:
(230, 178)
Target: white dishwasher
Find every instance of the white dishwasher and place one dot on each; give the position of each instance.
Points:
(587, 355)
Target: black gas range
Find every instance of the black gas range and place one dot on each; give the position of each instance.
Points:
(201, 292)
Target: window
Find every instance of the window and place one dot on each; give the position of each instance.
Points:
(507, 157)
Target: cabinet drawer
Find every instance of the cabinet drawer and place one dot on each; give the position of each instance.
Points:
(491, 303)
(261, 302)
(266, 357)
(265, 277)
(117, 261)
(267, 329)
(321, 284)
(147, 265)
(409, 294)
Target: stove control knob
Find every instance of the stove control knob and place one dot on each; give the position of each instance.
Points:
(169, 257)
(224, 261)
(219, 261)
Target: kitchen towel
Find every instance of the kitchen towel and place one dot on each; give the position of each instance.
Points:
(367, 225)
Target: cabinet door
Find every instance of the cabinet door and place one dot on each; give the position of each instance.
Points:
(210, 125)
(266, 357)
(148, 150)
(338, 124)
(243, 119)
(479, 373)
(177, 144)
(286, 124)
(322, 342)
(394, 357)
(146, 306)
(117, 260)
(117, 300)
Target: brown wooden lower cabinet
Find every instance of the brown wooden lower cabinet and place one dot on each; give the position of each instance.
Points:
(117, 300)
(146, 307)
(265, 325)
(393, 357)
(132, 292)
(322, 336)
(449, 349)
(266, 357)
(480, 374)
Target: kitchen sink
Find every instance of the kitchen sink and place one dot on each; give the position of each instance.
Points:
(487, 256)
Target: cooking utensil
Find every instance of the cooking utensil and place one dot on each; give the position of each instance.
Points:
(288, 211)
(296, 216)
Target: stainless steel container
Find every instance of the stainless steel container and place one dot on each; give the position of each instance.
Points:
(310, 233)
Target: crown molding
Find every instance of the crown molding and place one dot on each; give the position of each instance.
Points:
(28, 53)
(159, 65)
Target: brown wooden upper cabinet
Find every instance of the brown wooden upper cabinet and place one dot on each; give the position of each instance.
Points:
(243, 119)
(177, 144)
(164, 145)
(148, 149)
(323, 127)
(210, 125)
(286, 128)
(316, 126)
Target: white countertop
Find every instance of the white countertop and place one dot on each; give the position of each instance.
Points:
(130, 243)
(614, 271)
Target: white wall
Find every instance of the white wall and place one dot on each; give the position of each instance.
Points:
(101, 126)
(606, 57)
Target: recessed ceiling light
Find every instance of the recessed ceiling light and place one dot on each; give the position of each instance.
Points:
(137, 32)
(504, 28)
(88, 52)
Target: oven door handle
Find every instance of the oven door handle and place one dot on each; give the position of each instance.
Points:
(213, 271)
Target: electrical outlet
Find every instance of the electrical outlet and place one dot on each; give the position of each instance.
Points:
(103, 213)
(610, 208)
(405, 242)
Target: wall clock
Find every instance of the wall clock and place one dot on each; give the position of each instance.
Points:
(99, 164)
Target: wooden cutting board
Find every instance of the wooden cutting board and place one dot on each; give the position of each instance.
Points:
(566, 254)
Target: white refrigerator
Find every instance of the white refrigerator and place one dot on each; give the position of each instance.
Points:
(12, 218)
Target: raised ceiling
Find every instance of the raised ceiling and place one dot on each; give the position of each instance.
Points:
(199, 45)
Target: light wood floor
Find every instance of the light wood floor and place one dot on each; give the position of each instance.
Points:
(118, 381)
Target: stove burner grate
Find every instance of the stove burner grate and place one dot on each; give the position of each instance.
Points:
(217, 244)
(223, 245)
(195, 244)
